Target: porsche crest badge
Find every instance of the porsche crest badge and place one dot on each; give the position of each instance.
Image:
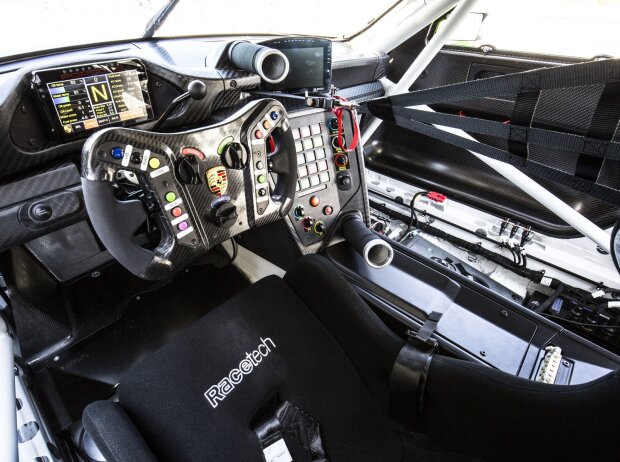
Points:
(217, 180)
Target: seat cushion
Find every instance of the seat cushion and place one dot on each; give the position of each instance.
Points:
(194, 399)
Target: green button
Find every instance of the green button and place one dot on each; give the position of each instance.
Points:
(225, 142)
(261, 178)
(171, 197)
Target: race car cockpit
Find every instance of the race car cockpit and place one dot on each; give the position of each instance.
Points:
(284, 240)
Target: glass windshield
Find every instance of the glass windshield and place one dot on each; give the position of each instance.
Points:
(33, 25)
(578, 28)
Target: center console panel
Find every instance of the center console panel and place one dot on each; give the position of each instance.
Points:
(477, 323)
(329, 178)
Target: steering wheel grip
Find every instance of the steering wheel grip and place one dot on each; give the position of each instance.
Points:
(284, 164)
(116, 223)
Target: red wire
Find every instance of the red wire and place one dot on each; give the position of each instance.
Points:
(339, 111)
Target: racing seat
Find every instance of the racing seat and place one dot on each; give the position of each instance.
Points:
(298, 368)
(209, 394)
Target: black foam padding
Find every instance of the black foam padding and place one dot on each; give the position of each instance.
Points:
(242, 55)
(496, 416)
(165, 394)
(356, 233)
(114, 434)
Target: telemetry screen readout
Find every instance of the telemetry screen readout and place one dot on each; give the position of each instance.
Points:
(90, 102)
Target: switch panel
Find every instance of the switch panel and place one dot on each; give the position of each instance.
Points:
(320, 164)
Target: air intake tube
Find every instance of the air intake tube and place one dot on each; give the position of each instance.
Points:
(376, 252)
(272, 65)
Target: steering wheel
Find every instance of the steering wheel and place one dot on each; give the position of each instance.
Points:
(208, 185)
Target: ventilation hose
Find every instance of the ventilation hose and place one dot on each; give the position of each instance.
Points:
(376, 252)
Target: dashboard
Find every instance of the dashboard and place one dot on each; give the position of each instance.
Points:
(50, 105)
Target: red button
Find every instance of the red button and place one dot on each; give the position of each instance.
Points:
(328, 210)
(258, 134)
(315, 201)
(189, 151)
(176, 212)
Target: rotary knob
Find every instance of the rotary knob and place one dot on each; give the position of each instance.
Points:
(235, 156)
(299, 212)
(307, 223)
(341, 160)
(188, 170)
(320, 228)
(225, 215)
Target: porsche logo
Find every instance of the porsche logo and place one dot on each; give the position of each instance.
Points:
(217, 180)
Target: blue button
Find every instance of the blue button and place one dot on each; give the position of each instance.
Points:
(117, 153)
(273, 115)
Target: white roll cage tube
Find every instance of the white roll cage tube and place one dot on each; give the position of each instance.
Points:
(8, 411)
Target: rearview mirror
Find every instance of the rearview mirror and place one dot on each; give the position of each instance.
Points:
(469, 29)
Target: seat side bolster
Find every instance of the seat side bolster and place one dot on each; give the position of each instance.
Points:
(114, 433)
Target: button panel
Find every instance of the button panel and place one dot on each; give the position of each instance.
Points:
(312, 168)
(156, 166)
(319, 199)
(163, 182)
(262, 131)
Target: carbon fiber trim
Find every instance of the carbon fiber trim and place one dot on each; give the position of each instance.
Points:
(58, 189)
(222, 90)
(350, 72)
(171, 65)
(363, 92)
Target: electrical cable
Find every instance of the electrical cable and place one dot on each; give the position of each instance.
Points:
(524, 261)
(559, 289)
(235, 251)
(413, 220)
(583, 324)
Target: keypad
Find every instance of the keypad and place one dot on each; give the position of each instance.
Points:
(312, 168)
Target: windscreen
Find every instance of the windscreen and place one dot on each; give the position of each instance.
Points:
(34, 25)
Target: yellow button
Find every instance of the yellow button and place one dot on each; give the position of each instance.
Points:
(267, 124)
(154, 162)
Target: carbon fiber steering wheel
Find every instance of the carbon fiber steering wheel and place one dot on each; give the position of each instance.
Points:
(207, 185)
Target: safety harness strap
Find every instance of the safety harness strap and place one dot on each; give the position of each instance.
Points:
(286, 418)
(410, 372)
(535, 169)
(590, 73)
(567, 142)
(593, 149)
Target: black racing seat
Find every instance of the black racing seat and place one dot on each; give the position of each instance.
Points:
(201, 397)
(305, 361)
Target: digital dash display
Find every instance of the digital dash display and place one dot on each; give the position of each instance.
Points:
(87, 97)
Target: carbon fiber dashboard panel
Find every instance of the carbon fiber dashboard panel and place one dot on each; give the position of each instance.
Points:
(353, 71)
(171, 65)
(55, 193)
(222, 90)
